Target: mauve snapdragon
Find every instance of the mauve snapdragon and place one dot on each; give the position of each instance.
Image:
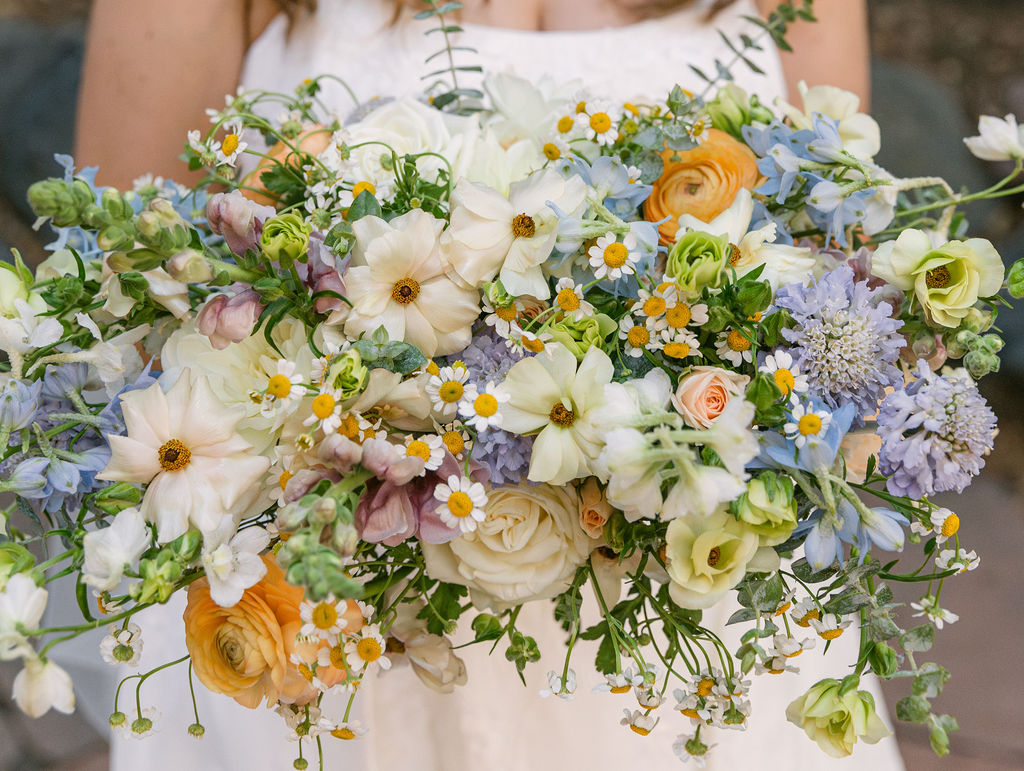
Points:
(228, 320)
(238, 219)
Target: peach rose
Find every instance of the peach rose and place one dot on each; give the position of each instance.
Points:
(702, 182)
(244, 651)
(313, 140)
(702, 395)
(594, 508)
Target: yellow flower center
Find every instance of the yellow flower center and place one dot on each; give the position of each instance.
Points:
(600, 122)
(638, 337)
(830, 634)
(734, 254)
(506, 312)
(714, 556)
(581, 107)
(453, 441)
(363, 186)
(344, 733)
(279, 386)
(654, 306)
(173, 455)
(561, 415)
(306, 672)
(568, 300)
(523, 226)
(784, 380)
(324, 615)
(678, 316)
(690, 712)
(704, 687)
(565, 124)
(551, 151)
(285, 476)
(450, 391)
(677, 350)
(698, 129)
(323, 406)
(368, 649)
(485, 405)
(620, 689)
(737, 341)
(631, 108)
(350, 427)
(460, 504)
(756, 317)
(405, 291)
(615, 255)
(950, 526)
(809, 424)
(432, 368)
(805, 620)
(417, 448)
(337, 657)
(783, 608)
(230, 144)
(937, 278)
(639, 730)
(533, 344)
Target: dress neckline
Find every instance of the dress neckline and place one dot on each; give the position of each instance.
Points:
(632, 27)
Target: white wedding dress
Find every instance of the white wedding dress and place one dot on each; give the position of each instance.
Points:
(493, 722)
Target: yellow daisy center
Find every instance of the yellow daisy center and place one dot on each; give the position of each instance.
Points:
(677, 350)
(533, 344)
(631, 108)
(230, 144)
(565, 124)
(737, 341)
(285, 476)
(698, 128)
(654, 306)
(173, 455)
(364, 186)
(950, 525)
(561, 415)
(638, 730)
(417, 448)
(453, 441)
(450, 391)
(324, 615)
(937, 278)
(568, 300)
(485, 405)
(337, 657)
(306, 672)
(620, 689)
(460, 504)
(506, 313)
(551, 151)
(690, 712)
(523, 226)
(784, 380)
(600, 122)
(432, 368)
(405, 291)
(704, 687)
(368, 649)
(783, 608)
(615, 255)
(809, 424)
(581, 107)
(830, 634)
(279, 386)
(638, 337)
(323, 406)
(344, 733)
(805, 620)
(678, 316)
(350, 427)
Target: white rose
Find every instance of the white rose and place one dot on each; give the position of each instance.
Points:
(527, 548)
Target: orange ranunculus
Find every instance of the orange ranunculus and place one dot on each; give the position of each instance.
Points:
(702, 182)
(313, 140)
(244, 651)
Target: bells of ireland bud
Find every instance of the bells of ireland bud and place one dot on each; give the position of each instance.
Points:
(285, 238)
(698, 260)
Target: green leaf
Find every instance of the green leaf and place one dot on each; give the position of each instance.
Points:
(487, 627)
(920, 638)
(443, 607)
(1015, 279)
(913, 709)
(365, 204)
(940, 727)
(930, 680)
(741, 615)
(605, 660)
(803, 570)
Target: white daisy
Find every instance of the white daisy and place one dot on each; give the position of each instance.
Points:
(446, 389)
(734, 347)
(929, 606)
(569, 297)
(428, 448)
(323, 620)
(462, 503)
(600, 126)
(122, 646)
(944, 524)
(325, 410)
(639, 722)
(613, 258)
(637, 337)
(830, 627)
(502, 318)
(959, 558)
(806, 422)
(353, 729)
(455, 439)
(680, 344)
(232, 145)
(786, 374)
(366, 649)
(281, 388)
(534, 342)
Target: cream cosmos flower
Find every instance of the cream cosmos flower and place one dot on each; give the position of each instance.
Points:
(184, 447)
(398, 281)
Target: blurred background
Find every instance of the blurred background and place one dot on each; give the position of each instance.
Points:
(937, 65)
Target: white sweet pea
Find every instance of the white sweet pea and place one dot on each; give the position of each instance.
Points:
(42, 686)
(858, 131)
(634, 482)
(109, 550)
(999, 139)
(233, 567)
(161, 287)
(184, 447)
(732, 437)
(22, 604)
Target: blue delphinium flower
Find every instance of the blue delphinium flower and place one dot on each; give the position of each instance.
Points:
(817, 450)
(610, 180)
(827, 532)
(935, 434)
(845, 339)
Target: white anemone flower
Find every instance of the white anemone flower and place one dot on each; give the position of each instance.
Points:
(184, 447)
(398, 281)
(999, 139)
(233, 566)
(510, 237)
(547, 393)
(42, 686)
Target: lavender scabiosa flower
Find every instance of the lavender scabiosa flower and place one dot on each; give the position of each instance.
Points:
(845, 339)
(935, 434)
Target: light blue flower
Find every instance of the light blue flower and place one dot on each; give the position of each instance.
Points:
(827, 532)
(819, 450)
(18, 403)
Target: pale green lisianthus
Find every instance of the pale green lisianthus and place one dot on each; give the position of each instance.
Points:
(836, 721)
(769, 508)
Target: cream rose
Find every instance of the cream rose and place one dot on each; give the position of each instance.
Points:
(702, 395)
(527, 548)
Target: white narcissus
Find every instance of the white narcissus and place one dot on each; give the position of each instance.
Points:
(42, 686)
(547, 393)
(397, 280)
(184, 447)
(510, 237)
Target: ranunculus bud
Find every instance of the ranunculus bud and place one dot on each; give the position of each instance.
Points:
(238, 219)
(229, 320)
(285, 238)
(189, 266)
(769, 508)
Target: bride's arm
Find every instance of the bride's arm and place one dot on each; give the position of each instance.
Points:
(150, 71)
(832, 51)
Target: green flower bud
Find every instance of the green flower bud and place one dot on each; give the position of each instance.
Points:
(285, 238)
(142, 725)
(116, 719)
(580, 336)
(323, 512)
(347, 373)
(837, 720)
(62, 202)
(496, 295)
(753, 297)
(13, 559)
(189, 266)
(117, 497)
(768, 507)
(697, 260)
(883, 659)
(197, 730)
(730, 110)
(977, 320)
(186, 547)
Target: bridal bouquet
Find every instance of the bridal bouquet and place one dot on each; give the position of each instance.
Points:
(442, 357)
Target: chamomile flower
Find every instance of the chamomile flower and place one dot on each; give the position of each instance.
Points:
(774, 665)
(353, 729)
(648, 697)
(600, 126)
(679, 314)
(693, 706)
(232, 145)
(612, 258)
(680, 344)
(569, 127)
(830, 627)
(688, 748)
(502, 318)
(805, 611)
(961, 559)
(569, 297)
(562, 688)
(639, 722)
(428, 448)
(446, 389)
(462, 503)
(455, 439)
(943, 523)
(326, 410)
(323, 620)
(929, 606)
(534, 342)
(621, 682)
(122, 646)
(366, 649)
(652, 305)
(480, 409)
(281, 388)
(805, 421)
(555, 147)
(637, 338)
(790, 646)
(734, 347)
(786, 374)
